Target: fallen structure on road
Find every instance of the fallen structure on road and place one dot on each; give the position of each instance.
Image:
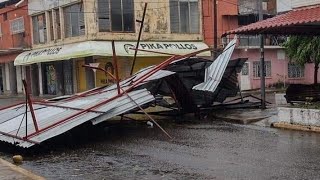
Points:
(192, 82)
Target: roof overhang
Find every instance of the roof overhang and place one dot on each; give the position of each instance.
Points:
(104, 48)
(303, 21)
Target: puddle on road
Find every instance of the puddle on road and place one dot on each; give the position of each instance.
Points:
(204, 150)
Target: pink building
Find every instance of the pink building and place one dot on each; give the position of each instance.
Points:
(279, 70)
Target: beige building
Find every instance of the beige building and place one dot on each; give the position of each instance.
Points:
(67, 34)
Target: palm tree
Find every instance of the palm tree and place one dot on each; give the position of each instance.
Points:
(304, 49)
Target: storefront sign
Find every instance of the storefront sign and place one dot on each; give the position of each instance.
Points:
(165, 47)
(104, 48)
(42, 52)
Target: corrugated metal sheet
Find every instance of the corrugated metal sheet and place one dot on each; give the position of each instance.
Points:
(47, 116)
(214, 73)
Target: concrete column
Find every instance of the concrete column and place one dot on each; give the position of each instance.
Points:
(34, 80)
(74, 76)
(89, 73)
(59, 78)
(62, 22)
(13, 79)
(7, 75)
(19, 79)
(3, 73)
(90, 19)
(48, 25)
(40, 79)
(54, 21)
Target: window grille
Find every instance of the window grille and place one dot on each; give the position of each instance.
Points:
(17, 25)
(295, 71)
(267, 68)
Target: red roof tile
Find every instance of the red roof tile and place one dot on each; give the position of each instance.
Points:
(299, 21)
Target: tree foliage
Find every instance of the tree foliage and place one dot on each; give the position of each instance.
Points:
(304, 49)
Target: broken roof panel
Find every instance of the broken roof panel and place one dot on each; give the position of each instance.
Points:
(215, 71)
(53, 121)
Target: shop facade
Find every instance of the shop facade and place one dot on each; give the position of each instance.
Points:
(64, 38)
(61, 70)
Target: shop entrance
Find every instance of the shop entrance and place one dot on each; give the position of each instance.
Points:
(49, 78)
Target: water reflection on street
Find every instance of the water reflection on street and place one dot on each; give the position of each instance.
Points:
(204, 150)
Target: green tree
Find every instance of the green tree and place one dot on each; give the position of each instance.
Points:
(304, 49)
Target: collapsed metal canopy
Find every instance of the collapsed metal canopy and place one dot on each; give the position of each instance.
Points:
(46, 119)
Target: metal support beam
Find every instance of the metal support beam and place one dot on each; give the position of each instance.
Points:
(139, 37)
(115, 62)
(28, 98)
(262, 69)
(215, 28)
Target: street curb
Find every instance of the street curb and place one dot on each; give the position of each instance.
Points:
(239, 120)
(296, 127)
(20, 170)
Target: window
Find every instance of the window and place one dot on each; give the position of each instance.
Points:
(39, 29)
(245, 69)
(295, 71)
(17, 25)
(116, 15)
(74, 20)
(256, 68)
(184, 16)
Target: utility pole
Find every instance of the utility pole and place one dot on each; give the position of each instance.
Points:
(215, 28)
(262, 69)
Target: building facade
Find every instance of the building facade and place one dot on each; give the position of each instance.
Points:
(279, 70)
(15, 37)
(227, 19)
(68, 34)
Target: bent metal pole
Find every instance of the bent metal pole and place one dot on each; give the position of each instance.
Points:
(139, 37)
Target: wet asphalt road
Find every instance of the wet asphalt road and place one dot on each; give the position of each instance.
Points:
(206, 150)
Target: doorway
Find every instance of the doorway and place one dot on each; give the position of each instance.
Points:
(245, 83)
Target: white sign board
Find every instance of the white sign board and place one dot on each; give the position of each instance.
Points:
(104, 48)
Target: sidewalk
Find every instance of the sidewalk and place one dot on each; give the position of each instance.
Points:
(250, 115)
(9, 171)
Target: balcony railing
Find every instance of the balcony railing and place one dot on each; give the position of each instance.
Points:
(254, 41)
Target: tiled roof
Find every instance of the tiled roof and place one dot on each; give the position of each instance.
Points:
(298, 21)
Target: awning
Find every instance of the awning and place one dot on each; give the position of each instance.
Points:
(302, 21)
(104, 48)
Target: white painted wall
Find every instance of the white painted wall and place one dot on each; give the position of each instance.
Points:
(301, 3)
(7, 77)
(19, 79)
(284, 5)
(40, 79)
(306, 117)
